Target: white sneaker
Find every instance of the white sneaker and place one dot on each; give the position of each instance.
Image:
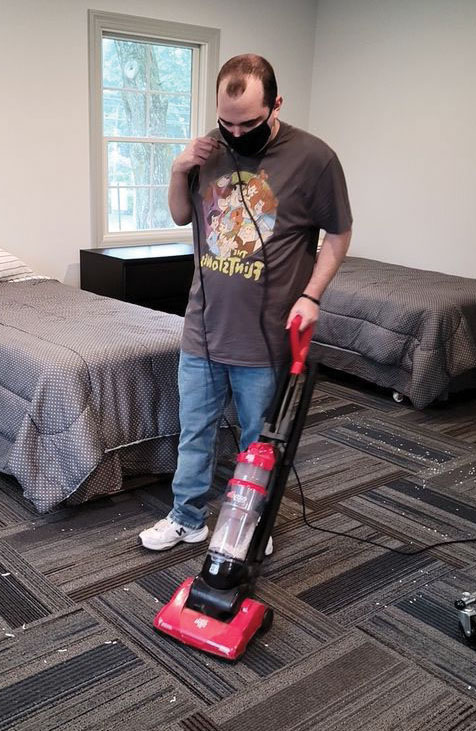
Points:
(269, 547)
(167, 533)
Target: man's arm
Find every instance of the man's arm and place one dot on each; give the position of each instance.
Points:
(333, 250)
(196, 153)
(180, 202)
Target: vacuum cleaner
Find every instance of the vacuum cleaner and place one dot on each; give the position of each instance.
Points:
(466, 607)
(215, 611)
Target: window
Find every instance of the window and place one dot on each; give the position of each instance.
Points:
(152, 90)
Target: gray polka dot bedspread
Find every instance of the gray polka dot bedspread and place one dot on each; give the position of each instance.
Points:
(88, 390)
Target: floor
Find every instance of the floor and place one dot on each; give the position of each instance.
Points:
(363, 637)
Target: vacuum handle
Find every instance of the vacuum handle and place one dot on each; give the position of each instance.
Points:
(299, 345)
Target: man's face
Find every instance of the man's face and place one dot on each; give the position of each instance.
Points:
(235, 198)
(239, 114)
(223, 203)
(225, 225)
(251, 190)
(223, 181)
(247, 233)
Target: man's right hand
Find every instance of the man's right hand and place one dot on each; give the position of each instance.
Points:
(197, 152)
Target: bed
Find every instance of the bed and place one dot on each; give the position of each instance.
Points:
(88, 391)
(406, 329)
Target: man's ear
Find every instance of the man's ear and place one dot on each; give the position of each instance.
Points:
(278, 104)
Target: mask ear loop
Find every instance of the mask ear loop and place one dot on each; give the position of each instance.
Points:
(271, 109)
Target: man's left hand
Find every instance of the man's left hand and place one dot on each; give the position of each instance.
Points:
(308, 310)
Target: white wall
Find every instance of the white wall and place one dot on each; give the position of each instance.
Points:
(394, 92)
(44, 124)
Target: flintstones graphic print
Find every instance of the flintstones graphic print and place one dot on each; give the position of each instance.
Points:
(230, 233)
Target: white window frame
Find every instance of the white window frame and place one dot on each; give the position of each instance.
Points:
(206, 42)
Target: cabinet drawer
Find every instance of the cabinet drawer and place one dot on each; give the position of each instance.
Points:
(143, 280)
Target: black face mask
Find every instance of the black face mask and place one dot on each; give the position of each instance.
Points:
(251, 142)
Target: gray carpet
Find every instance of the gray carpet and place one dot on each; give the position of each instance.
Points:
(363, 638)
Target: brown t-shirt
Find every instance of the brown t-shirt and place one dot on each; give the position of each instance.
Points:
(292, 190)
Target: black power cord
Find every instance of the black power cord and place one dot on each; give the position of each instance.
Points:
(264, 299)
(365, 540)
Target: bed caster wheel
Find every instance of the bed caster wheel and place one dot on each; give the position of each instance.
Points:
(398, 397)
(267, 621)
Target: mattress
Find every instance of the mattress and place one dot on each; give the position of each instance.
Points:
(415, 327)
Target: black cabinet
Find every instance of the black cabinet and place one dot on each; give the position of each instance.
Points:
(157, 276)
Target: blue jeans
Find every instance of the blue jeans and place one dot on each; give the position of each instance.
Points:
(202, 402)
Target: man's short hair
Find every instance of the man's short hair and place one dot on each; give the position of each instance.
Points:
(239, 67)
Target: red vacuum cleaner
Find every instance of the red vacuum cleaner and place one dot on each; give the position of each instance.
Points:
(214, 611)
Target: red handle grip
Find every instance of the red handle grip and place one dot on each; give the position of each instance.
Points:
(299, 345)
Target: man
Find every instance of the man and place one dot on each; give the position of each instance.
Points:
(235, 325)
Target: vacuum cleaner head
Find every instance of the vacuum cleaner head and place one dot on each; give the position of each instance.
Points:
(224, 639)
